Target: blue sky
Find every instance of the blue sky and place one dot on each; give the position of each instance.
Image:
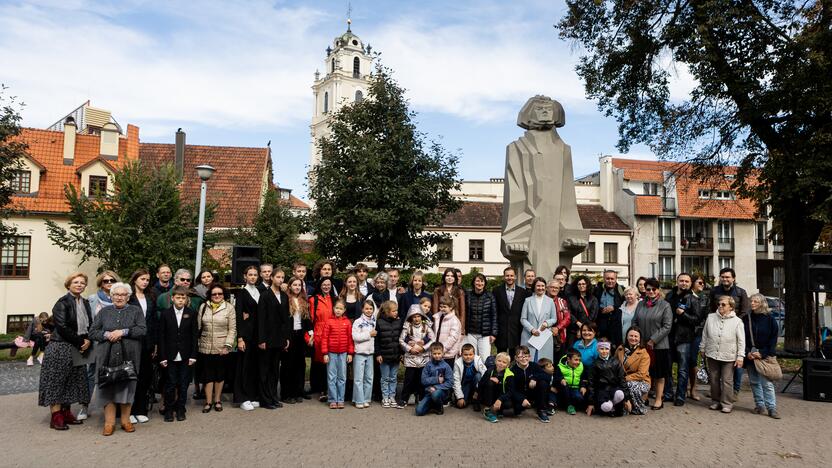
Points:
(239, 73)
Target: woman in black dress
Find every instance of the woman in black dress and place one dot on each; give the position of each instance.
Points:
(144, 299)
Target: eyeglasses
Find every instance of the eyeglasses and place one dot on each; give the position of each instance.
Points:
(120, 295)
(108, 281)
(724, 304)
(217, 294)
(185, 280)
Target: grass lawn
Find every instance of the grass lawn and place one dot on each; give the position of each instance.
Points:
(22, 354)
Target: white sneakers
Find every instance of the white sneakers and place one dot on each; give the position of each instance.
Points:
(40, 358)
(255, 404)
(133, 420)
(82, 413)
(142, 418)
(247, 406)
(385, 403)
(30, 362)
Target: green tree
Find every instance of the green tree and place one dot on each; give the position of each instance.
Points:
(762, 100)
(142, 224)
(380, 182)
(275, 230)
(12, 152)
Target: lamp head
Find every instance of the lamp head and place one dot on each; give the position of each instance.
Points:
(204, 171)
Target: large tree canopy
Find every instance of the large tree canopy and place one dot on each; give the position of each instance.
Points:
(762, 100)
(12, 152)
(379, 182)
(142, 224)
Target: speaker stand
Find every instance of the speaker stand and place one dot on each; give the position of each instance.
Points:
(791, 381)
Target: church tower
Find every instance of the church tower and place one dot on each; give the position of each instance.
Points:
(347, 66)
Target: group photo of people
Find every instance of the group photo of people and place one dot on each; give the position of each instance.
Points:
(529, 345)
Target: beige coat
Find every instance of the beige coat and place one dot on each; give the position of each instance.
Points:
(217, 329)
(723, 337)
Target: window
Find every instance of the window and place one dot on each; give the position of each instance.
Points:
(98, 186)
(475, 249)
(333, 65)
(18, 323)
(356, 67)
(359, 96)
(666, 271)
(589, 254)
(726, 262)
(724, 230)
(651, 188)
(665, 229)
(716, 194)
(701, 265)
(326, 102)
(22, 182)
(14, 257)
(610, 252)
(445, 250)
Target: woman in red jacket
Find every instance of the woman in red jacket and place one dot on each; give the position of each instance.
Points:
(562, 315)
(320, 309)
(338, 348)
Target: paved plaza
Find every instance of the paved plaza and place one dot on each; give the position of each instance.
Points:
(310, 434)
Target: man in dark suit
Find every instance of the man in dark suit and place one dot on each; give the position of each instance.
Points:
(178, 336)
(273, 338)
(510, 298)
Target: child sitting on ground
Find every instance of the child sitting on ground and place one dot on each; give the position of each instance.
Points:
(529, 389)
(448, 329)
(467, 372)
(415, 339)
(608, 383)
(495, 387)
(438, 380)
(573, 383)
(547, 378)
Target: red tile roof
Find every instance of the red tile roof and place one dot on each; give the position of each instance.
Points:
(236, 187)
(46, 149)
(489, 215)
(295, 202)
(689, 205)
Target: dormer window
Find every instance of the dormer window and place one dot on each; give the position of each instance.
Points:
(22, 181)
(98, 186)
(651, 188)
(706, 194)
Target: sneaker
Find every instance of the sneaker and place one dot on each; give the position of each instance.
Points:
(30, 361)
(760, 410)
(400, 404)
(133, 420)
(82, 413)
(247, 406)
(440, 411)
(40, 358)
(366, 404)
(255, 404)
(570, 410)
(489, 416)
(142, 419)
(385, 403)
(446, 404)
(715, 406)
(726, 410)
(542, 416)
(773, 414)
(551, 411)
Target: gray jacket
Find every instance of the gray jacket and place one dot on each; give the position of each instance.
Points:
(111, 319)
(655, 322)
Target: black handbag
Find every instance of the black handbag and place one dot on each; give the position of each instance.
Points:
(112, 374)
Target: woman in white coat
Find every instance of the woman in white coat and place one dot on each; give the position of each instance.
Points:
(538, 314)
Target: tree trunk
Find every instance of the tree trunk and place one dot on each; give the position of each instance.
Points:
(799, 236)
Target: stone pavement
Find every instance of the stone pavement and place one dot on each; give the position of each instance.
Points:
(310, 434)
(16, 377)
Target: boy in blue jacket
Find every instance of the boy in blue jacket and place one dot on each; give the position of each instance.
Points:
(438, 380)
(529, 389)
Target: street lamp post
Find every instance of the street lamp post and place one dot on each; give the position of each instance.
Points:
(204, 172)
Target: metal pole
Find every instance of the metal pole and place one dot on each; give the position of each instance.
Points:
(201, 230)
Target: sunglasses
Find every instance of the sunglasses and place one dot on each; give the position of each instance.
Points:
(217, 294)
(108, 281)
(649, 289)
(724, 304)
(185, 280)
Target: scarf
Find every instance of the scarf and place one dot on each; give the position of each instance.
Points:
(215, 306)
(104, 299)
(651, 302)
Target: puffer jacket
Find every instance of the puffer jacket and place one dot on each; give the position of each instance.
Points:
(448, 331)
(387, 339)
(636, 365)
(607, 373)
(361, 328)
(412, 334)
(723, 338)
(482, 313)
(337, 336)
(217, 328)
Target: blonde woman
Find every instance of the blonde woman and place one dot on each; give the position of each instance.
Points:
(218, 332)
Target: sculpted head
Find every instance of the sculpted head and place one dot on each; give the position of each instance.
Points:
(541, 113)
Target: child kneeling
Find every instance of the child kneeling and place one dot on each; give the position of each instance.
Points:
(438, 380)
(494, 389)
(608, 384)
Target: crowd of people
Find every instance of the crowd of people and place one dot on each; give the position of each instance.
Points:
(527, 344)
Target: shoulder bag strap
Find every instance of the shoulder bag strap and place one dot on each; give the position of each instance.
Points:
(751, 331)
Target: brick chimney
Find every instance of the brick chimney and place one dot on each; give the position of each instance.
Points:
(69, 141)
(179, 159)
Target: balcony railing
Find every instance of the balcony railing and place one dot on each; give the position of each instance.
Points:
(667, 242)
(777, 248)
(669, 204)
(664, 277)
(697, 243)
(725, 243)
(762, 245)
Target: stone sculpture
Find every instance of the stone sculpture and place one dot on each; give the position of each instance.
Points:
(541, 225)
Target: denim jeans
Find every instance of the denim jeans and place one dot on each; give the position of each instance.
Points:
(738, 371)
(682, 369)
(389, 375)
(336, 376)
(362, 372)
(435, 399)
(762, 389)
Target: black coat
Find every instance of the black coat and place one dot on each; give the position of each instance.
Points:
(577, 310)
(273, 321)
(182, 338)
(605, 375)
(607, 322)
(684, 325)
(151, 321)
(66, 321)
(387, 339)
(482, 313)
(508, 316)
(247, 329)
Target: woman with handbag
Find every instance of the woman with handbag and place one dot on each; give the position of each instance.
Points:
(63, 377)
(118, 331)
(760, 362)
